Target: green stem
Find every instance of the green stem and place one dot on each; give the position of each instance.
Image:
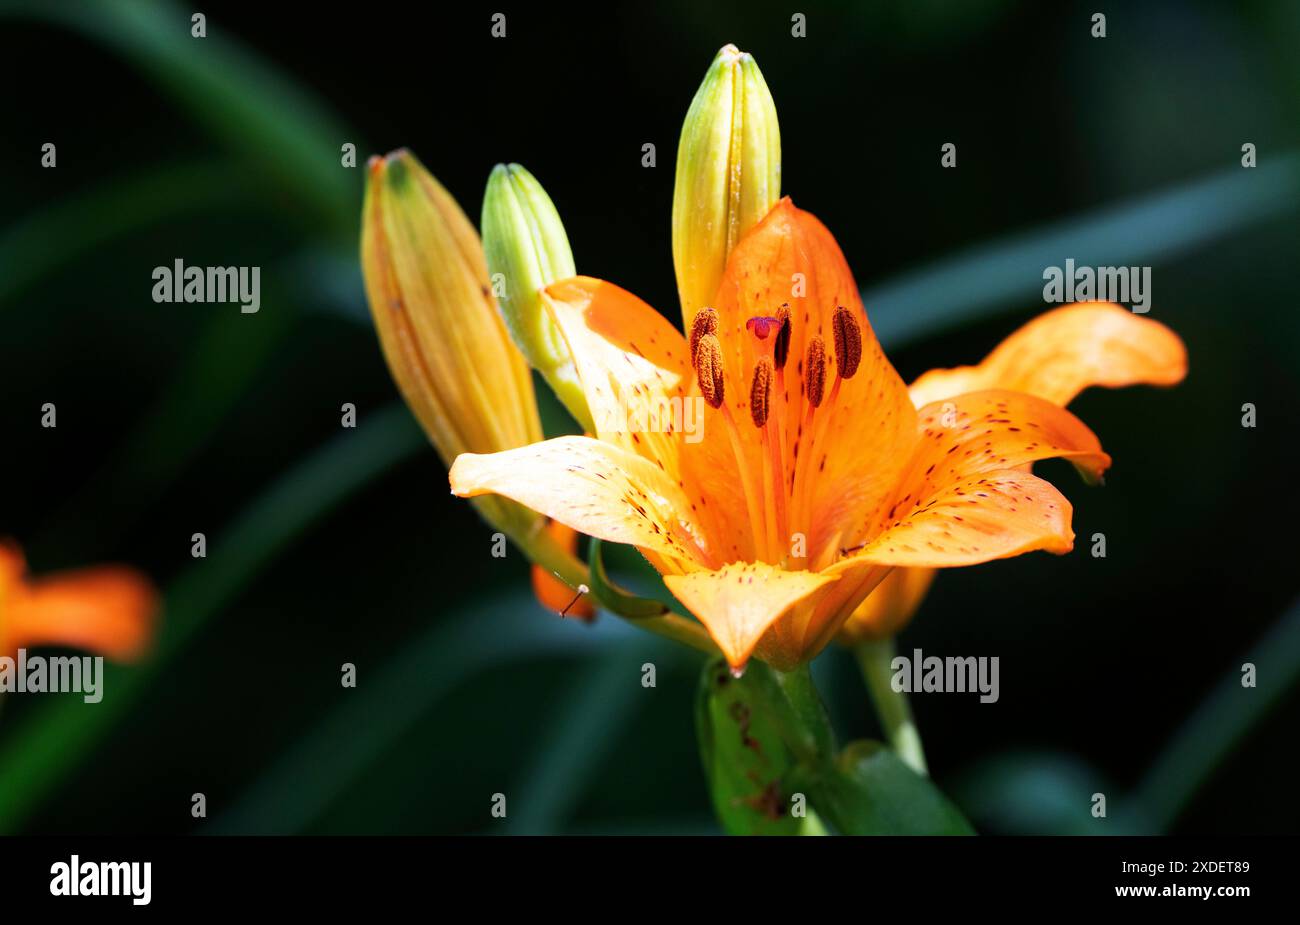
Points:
(807, 714)
(544, 551)
(895, 713)
(790, 700)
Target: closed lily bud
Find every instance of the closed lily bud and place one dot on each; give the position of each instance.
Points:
(444, 341)
(728, 174)
(527, 250)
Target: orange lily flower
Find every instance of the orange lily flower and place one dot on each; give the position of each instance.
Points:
(1055, 356)
(109, 610)
(814, 474)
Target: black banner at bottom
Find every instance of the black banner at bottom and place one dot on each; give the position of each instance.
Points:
(336, 874)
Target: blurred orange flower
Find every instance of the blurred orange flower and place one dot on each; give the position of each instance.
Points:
(109, 610)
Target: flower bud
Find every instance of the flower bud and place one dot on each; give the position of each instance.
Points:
(527, 250)
(728, 174)
(444, 341)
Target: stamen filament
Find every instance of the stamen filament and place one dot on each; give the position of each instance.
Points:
(774, 478)
(798, 512)
(757, 523)
(782, 487)
(811, 467)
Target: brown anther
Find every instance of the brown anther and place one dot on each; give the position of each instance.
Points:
(708, 369)
(705, 322)
(781, 346)
(848, 341)
(760, 393)
(815, 371)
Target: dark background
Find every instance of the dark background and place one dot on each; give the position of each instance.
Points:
(329, 546)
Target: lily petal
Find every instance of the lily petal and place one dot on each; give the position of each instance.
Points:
(1055, 356)
(635, 370)
(594, 487)
(1062, 352)
(985, 516)
(739, 602)
(631, 361)
(978, 433)
(996, 429)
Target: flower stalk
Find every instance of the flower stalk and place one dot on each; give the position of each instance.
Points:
(875, 658)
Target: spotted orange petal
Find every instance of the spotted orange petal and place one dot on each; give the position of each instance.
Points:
(639, 384)
(594, 487)
(997, 429)
(1064, 351)
(978, 518)
(738, 603)
(964, 499)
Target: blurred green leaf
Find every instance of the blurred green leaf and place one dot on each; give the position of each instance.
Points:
(36, 755)
(57, 235)
(226, 357)
(1220, 724)
(282, 131)
(585, 725)
(1038, 793)
(503, 629)
(961, 288)
(871, 791)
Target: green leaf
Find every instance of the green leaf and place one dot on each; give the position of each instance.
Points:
(1024, 792)
(745, 759)
(975, 283)
(870, 791)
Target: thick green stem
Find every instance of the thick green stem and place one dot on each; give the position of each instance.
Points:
(807, 714)
(544, 551)
(791, 702)
(895, 713)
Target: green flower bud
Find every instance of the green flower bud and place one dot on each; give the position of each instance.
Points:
(528, 250)
(728, 174)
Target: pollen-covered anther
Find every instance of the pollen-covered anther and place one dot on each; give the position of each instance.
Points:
(760, 393)
(815, 371)
(848, 341)
(708, 369)
(781, 346)
(705, 322)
